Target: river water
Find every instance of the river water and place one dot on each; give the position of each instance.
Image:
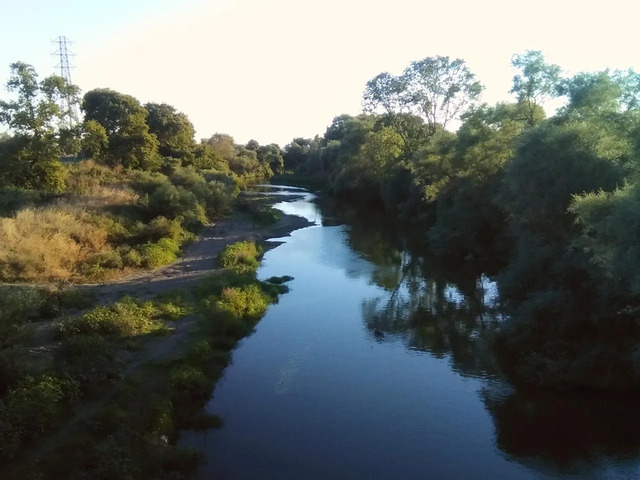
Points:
(376, 365)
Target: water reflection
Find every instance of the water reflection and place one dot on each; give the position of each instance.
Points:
(454, 312)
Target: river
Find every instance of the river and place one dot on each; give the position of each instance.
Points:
(376, 365)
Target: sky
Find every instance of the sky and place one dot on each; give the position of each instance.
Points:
(273, 70)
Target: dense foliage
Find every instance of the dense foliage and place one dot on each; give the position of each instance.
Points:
(556, 196)
(137, 188)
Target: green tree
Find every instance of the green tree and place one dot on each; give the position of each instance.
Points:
(95, 141)
(35, 111)
(537, 82)
(124, 121)
(440, 89)
(253, 145)
(31, 159)
(610, 228)
(297, 152)
(223, 145)
(173, 129)
(271, 155)
(437, 89)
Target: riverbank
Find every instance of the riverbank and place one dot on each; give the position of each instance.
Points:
(111, 385)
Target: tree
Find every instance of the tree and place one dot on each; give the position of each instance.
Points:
(124, 121)
(223, 145)
(173, 129)
(440, 89)
(537, 82)
(385, 92)
(31, 159)
(36, 109)
(94, 141)
(297, 152)
(595, 97)
(271, 155)
(437, 89)
(610, 224)
(253, 145)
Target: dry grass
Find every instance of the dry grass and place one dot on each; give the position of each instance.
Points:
(99, 197)
(48, 243)
(94, 187)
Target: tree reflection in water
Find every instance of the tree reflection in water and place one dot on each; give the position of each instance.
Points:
(454, 311)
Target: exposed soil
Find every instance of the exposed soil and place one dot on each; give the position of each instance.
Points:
(199, 258)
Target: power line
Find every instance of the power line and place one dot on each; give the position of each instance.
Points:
(69, 113)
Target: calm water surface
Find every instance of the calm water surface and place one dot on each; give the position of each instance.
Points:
(376, 366)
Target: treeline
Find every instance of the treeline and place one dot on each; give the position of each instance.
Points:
(116, 130)
(558, 197)
(135, 188)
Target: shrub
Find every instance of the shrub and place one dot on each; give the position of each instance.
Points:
(147, 182)
(124, 318)
(189, 381)
(160, 253)
(162, 227)
(17, 306)
(90, 360)
(48, 243)
(177, 202)
(32, 408)
(187, 177)
(241, 257)
(244, 302)
(103, 260)
(132, 258)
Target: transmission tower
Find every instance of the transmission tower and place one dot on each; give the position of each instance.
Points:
(70, 115)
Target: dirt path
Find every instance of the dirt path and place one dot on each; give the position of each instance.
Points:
(198, 259)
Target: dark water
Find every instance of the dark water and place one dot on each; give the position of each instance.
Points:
(376, 366)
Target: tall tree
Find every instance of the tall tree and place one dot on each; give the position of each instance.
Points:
(271, 155)
(31, 159)
(124, 121)
(173, 129)
(437, 89)
(536, 83)
(440, 89)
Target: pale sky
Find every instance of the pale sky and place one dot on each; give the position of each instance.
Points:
(277, 69)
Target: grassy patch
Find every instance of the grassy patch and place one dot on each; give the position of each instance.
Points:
(240, 257)
(125, 318)
(80, 418)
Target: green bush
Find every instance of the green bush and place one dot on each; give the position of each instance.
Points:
(90, 360)
(187, 177)
(160, 253)
(189, 381)
(244, 302)
(124, 318)
(105, 260)
(240, 257)
(162, 227)
(177, 202)
(132, 258)
(31, 409)
(147, 182)
(18, 305)
(74, 298)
